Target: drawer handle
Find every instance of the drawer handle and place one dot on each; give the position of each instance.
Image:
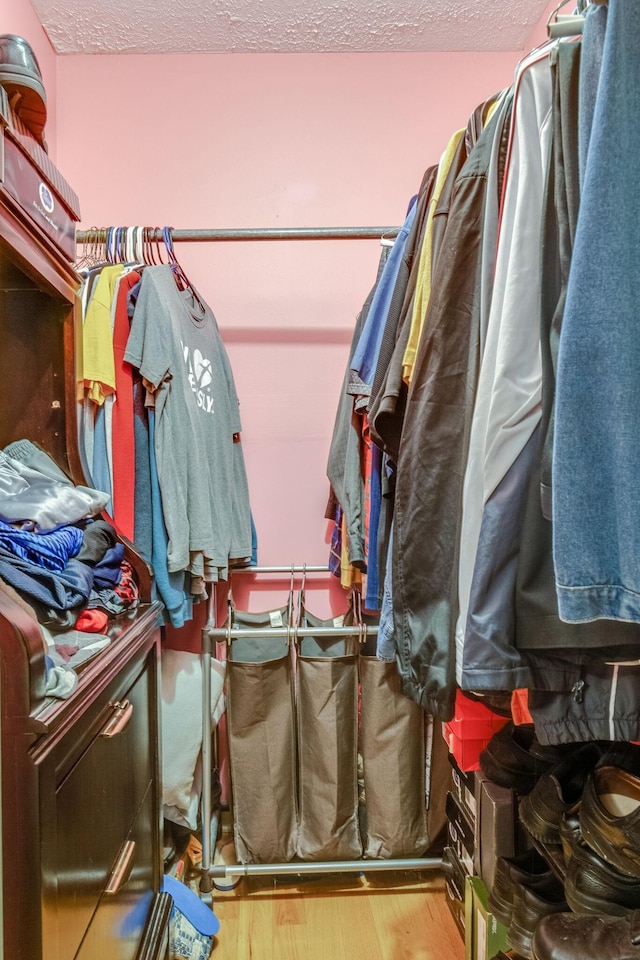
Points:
(122, 868)
(122, 712)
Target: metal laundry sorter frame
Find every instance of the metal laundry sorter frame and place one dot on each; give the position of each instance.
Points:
(212, 633)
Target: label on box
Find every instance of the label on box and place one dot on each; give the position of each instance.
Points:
(465, 858)
(481, 936)
(464, 788)
(470, 800)
(456, 909)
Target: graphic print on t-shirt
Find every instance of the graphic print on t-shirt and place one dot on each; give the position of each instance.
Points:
(200, 377)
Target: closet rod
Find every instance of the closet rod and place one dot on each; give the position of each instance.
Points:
(99, 235)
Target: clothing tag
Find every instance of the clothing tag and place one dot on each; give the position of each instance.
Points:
(338, 621)
(275, 617)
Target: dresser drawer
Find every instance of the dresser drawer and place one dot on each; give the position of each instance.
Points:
(102, 789)
(117, 924)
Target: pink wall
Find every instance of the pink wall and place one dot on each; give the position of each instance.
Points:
(18, 16)
(270, 140)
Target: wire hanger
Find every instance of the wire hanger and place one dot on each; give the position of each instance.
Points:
(93, 251)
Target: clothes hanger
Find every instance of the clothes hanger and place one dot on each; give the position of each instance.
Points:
(173, 260)
(91, 250)
(149, 247)
(108, 245)
(180, 276)
(130, 248)
(130, 245)
(117, 244)
(122, 245)
(570, 25)
(160, 244)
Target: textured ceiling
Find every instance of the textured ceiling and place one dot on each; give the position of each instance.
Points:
(287, 26)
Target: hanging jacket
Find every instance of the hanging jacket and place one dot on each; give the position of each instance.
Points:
(596, 455)
(388, 390)
(432, 450)
(344, 464)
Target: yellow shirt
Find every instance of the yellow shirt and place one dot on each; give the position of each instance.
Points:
(423, 282)
(98, 365)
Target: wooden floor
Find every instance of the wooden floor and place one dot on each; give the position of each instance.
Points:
(351, 917)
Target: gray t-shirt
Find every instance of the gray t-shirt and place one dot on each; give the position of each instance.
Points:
(177, 347)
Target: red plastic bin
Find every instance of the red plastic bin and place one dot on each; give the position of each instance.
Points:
(470, 730)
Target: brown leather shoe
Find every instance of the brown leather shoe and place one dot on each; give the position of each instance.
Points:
(567, 936)
(21, 78)
(610, 817)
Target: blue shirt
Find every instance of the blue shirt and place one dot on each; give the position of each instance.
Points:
(365, 357)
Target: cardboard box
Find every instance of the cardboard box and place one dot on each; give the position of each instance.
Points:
(463, 787)
(456, 908)
(30, 177)
(460, 833)
(454, 841)
(495, 834)
(484, 935)
(462, 824)
(455, 879)
(455, 871)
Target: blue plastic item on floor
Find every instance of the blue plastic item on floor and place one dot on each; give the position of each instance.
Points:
(192, 925)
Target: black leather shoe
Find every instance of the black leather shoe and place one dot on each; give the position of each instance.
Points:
(21, 78)
(530, 905)
(529, 869)
(567, 936)
(610, 817)
(558, 793)
(514, 758)
(569, 833)
(593, 886)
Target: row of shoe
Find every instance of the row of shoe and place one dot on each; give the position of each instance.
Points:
(576, 897)
(21, 78)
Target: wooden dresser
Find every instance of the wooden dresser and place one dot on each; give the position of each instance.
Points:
(81, 838)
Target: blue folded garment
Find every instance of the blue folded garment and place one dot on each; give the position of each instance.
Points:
(57, 591)
(50, 549)
(107, 573)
